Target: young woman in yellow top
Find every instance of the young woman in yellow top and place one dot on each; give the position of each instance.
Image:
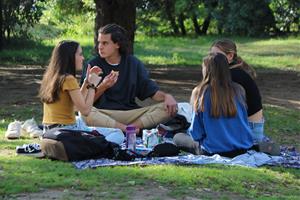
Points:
(61, 94)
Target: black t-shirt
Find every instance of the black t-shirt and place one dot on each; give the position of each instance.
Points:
(253, 98)
(133, 81)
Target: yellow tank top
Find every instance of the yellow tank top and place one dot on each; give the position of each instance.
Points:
(62, 111)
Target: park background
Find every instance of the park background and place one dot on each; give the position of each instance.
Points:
(171, 38)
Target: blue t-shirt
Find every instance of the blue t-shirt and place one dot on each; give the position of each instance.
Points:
(223, 134)
(133, 81)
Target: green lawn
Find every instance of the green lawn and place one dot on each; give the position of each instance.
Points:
(261, 53)
(279, 53)
(22, 174)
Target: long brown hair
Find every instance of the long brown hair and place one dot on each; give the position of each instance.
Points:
(217, 79)
(62, 63)
(227, 46)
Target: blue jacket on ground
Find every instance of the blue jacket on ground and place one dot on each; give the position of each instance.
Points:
(223, 134)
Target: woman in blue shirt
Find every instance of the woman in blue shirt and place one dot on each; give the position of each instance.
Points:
(219, 123)
(245, 75)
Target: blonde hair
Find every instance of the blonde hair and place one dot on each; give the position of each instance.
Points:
(227, 46)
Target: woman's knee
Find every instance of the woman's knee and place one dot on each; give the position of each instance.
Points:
(186, 143)
(98, 119)
(183, 139)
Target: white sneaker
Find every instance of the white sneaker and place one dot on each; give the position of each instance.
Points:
(31, 128)
(13, 130)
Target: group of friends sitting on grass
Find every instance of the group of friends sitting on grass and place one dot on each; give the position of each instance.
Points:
(227, 107)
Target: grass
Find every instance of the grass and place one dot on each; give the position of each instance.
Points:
(244, 181)
(283, 125)
(25, 174)
(274, 53)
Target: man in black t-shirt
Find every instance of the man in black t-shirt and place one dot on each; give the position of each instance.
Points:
(124, 79)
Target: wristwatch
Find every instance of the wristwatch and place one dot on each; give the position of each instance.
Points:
(92, 86)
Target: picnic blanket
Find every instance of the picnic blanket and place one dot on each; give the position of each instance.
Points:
(289, 158)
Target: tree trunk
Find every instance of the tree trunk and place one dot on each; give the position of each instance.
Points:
(206, 24)
(196, 25)
(1, 27)
(6, 25)
(122, 13)
(181, 24)
(169, 8)
(8, 35)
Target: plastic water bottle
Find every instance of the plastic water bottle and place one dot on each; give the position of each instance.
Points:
(130, 137)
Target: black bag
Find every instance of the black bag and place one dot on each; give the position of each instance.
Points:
(177, 124)
(164, 149)
(82, 145)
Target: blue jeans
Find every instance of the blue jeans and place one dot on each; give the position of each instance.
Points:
(257, 131)
(111, 134)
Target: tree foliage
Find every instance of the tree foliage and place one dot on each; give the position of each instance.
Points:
(247, 18)
(152, 17)
(17, 16)
(287, 13)
(69, 17)
(177, 17)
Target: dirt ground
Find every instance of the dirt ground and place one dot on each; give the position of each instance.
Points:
(19, 85)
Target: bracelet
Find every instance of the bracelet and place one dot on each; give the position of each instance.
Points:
(92, 86)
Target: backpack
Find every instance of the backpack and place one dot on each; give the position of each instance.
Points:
(81, 145)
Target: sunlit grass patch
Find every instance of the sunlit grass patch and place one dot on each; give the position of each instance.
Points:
(261, 53)
(274, 53)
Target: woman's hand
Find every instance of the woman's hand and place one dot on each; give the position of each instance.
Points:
(94, 79)
(97, 70)
(92, 75)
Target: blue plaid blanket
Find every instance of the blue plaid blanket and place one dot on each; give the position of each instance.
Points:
(289, 158)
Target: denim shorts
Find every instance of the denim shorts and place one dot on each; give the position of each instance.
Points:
(257, 131)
